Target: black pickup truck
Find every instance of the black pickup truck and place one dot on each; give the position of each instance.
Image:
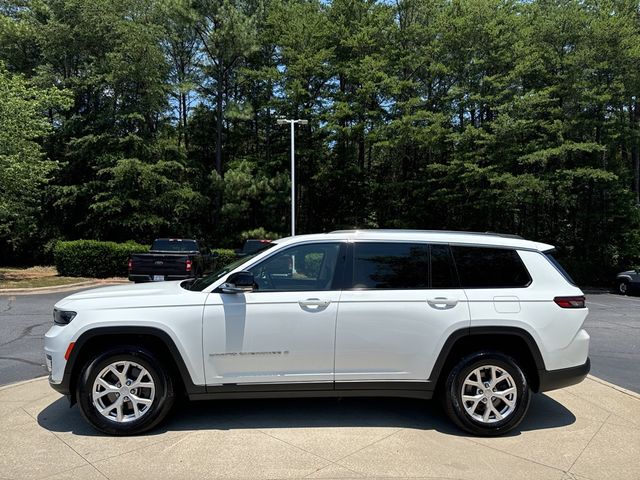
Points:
(170, 259)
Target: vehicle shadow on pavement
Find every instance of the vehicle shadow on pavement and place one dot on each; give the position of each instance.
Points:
(544, 413)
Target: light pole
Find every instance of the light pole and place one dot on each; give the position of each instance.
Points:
(284, 121)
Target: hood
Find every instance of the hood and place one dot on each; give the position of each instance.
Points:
(125, 293)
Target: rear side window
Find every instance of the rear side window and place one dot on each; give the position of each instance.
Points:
(443, 274)
(391, 266)
(483, 267)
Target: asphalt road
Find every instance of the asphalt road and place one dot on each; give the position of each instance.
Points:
(613, 323)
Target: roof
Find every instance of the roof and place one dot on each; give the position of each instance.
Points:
(436, 236)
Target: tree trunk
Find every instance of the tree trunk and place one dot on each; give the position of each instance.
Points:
(184, 119)
(635, 153)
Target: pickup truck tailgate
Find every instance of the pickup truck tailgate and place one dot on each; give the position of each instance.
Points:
(159, 264)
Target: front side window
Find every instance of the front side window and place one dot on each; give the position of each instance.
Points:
(485, 267)
(391, 266)
(309, 267)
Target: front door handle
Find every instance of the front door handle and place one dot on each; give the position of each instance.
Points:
(314, 304)
(442, 303)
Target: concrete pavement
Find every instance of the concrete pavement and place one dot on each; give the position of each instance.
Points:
(588, 431)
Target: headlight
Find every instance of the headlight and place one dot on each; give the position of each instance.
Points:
(61, 317)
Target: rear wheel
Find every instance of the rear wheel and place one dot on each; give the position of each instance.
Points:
(125, 391)
(486, 393)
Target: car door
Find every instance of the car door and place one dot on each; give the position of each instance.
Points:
(283, 330)
(402, 303)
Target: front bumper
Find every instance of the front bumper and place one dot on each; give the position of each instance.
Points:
(62, 387)
(564, 377)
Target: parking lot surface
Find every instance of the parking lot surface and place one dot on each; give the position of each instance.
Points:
(614, 326)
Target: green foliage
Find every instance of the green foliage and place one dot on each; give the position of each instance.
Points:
(91, 258)
(223, 257)
(514, 116)
(24, 167)
(259, 233)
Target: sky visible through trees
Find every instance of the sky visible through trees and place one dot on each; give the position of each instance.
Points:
(131, 119)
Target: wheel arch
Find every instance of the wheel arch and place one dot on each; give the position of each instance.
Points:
(513, 341)
(154, 339)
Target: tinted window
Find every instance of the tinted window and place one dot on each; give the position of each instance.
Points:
(480, 267)
(304, 267)
(391, 265)
(174, 245)
(442, 269)
(559, 267)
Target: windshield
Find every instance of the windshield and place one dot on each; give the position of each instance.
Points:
(204, 282)
(174, 245)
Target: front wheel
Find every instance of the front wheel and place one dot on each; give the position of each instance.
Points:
(125, 391)
(486, 393)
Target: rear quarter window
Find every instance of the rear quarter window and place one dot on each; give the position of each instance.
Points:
(486, 267)
(559, 267)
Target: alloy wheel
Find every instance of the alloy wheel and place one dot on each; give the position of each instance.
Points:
(489, 394)
(123, 391)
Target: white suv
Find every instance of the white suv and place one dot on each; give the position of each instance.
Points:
(480, 320)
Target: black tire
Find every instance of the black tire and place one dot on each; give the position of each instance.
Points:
(451, 394)
(162, 402)
(622, 287)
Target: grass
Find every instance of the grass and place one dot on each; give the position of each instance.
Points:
(34, 277)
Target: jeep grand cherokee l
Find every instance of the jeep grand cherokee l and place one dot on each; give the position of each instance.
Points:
(480, 321)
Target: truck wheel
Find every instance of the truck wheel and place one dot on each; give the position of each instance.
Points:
(125, 391)
(486, 393)
(622, 287)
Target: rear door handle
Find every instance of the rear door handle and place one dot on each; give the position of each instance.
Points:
(442, 303)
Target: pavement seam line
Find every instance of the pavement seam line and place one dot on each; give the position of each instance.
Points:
(589, 442)
(152, 444)
(358, 475)
(61, 441)
(76, 468)
(294, 446)
(73, 449)
(601, 407)
(366, 446)
(514, 455)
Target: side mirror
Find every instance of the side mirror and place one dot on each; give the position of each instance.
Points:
(238, 282)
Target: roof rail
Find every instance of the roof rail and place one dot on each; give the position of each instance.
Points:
(461, 232)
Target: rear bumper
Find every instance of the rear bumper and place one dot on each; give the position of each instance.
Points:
(564, 377)
(149, 278)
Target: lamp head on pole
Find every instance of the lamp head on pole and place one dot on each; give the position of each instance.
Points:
(282, 121)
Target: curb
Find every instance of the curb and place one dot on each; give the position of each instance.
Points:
(615, 387)
(59, 288)
(21, 382)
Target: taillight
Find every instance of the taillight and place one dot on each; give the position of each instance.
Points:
(130, 264)
(570, 302)
(188, 265)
